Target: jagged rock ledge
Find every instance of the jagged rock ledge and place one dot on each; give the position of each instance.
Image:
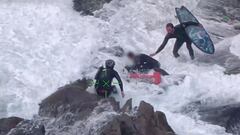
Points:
(237, 26)
(72, 110)
(227, 116)
(87, 7)
(6, 124)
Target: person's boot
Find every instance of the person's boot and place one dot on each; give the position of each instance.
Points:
(114, 89)
(192, 57)
(176, 55)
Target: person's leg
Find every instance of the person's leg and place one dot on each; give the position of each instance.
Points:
(114, 89)
(158, 69)
(189, 47)
(100, 92)
(177, 46)
(161, 71)
(103, 93)
(109, 91)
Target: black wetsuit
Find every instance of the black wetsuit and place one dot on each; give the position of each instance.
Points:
(181, 37)
(143, 63)
(104, 78)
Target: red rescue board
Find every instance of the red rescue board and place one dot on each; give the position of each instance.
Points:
(153, 78)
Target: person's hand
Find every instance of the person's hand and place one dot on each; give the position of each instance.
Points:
(123, 95)
(128, 68)
(153, 54)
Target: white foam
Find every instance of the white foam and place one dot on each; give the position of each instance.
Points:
(235, 47)
(44, 45)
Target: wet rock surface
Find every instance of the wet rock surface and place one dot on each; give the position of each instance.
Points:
(220, 17)
(221, 10)
(220, 21)
(87, 7)
(233, 71)
(144, 122)
(69, 99)
(6, 124)
(73, 110)
(115, 50)
(28, 127)
(237, 26)
(227, 116)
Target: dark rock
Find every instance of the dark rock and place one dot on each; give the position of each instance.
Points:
(127, 108)
(145, 122)
(162, 122)
(233, 124)
(146, 110)
(28, 127)
(233, 71)
(115, 50)
(71, 98)
(127, 127)
(219, 11)
(227, 116)
(72, 109)
(114, 104)
(6, 124)
(87, 7)
(226, 10)
(237, 26)
(71, 104)
(112, 128)
(149, 123)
